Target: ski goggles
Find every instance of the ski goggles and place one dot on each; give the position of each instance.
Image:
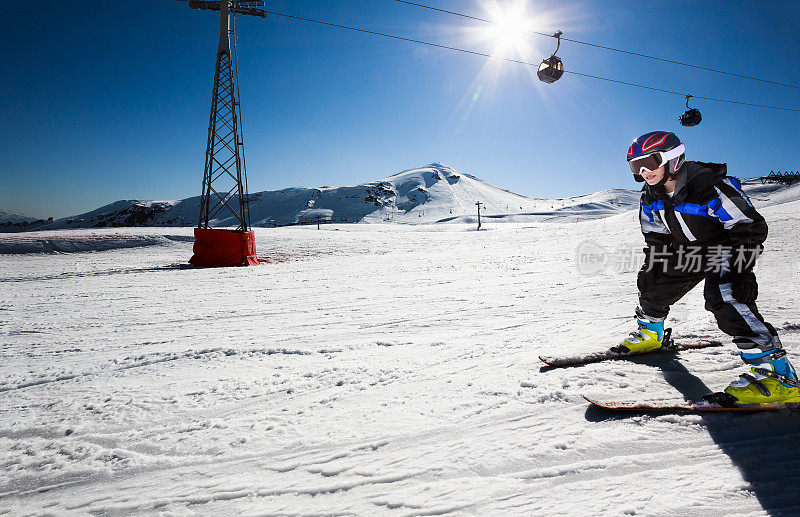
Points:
(653, 161)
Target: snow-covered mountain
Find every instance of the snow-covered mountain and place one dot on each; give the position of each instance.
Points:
(9, 216)
(434, 193)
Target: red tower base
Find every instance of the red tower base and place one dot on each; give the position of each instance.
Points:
(223, 248)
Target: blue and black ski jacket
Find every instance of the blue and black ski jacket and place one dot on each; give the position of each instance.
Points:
(708, 208)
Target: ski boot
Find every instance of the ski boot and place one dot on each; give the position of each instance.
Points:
(650, 335)
(771, 379)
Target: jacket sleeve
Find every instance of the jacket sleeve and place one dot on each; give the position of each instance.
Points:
(658, 243)
(745, 228)
(656, 233)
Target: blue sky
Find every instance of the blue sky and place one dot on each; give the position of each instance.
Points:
(109, 100)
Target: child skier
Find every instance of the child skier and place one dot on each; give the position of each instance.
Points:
(698, 224)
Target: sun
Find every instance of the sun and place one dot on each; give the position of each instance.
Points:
(513, 33)
(510, 30)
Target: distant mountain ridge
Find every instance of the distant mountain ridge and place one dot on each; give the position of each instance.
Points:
(9, 216)
(433, 193)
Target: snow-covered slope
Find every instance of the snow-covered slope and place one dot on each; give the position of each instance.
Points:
(434, 193)
(380, 369)
(771, 193)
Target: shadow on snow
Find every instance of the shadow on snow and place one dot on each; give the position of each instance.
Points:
(761, 445)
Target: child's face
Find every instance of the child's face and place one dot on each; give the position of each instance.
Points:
(653, 177)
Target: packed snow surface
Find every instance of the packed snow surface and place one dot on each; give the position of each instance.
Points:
(382, 369)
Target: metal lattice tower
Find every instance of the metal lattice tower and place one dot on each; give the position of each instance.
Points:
(225, 173)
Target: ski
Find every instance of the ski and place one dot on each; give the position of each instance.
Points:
(619, 352)
(689, 407)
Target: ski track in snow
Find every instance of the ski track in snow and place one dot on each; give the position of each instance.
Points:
(372, 370)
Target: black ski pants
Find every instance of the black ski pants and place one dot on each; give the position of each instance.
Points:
(659, 289)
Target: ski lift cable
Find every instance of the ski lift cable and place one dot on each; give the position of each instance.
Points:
(674, 62)
(679, 93)
(518, 61)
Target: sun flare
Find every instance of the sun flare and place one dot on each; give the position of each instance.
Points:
(511, 28)
(514, 33)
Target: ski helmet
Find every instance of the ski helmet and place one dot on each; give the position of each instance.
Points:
(652, 150)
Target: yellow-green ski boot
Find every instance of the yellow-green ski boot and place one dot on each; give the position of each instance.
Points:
(650, 336)
(772, 379)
